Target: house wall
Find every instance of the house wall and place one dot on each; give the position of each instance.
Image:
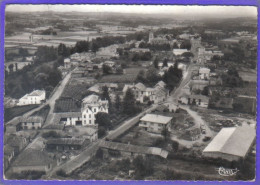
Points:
(153, 127)
(221, 155)
(31, 125)
(71, 121)
(88, 114)
(31, 99)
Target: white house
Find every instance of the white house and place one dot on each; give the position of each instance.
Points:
(109, 63)
(67, 63)
(75, 56)
(204, 73)
(155, 123)
(179, 51)
(199, 100)
(91, 105)
(35, 97)
(70, 118)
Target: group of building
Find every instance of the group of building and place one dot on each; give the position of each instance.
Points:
(156, 94)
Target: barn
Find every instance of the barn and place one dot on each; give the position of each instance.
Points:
(231, 143)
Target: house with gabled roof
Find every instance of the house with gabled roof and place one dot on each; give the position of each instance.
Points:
(35, 97)
(91, 105)
(32, 160)
(157, 94)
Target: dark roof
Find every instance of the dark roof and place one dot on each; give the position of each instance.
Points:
(65, 141)
(13, 140)
(54, 127)
(8, 150)
(134, 148)
(32, 157)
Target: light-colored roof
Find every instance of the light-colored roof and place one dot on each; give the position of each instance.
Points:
(156, 118)
(109, 62)
(161, 84)
(198, 96)
(94, 88)
(36, 93)
(204, 70)
(65, 141)
(179, 51)
(140, 86)
(127, 86)
(233, 141)
(91, 99)
(32, 119)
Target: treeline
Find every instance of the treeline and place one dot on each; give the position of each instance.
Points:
(32, 77)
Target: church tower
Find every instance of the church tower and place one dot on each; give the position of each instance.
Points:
(151, 37)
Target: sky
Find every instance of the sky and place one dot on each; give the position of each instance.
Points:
(230, 11)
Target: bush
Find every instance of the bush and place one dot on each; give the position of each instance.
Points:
(51, 134)
(101, 131)
(28, 175)
(175, 145)
(159, 143)
(99, 153)
(61, 173)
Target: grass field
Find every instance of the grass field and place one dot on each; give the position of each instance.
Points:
(129, 76)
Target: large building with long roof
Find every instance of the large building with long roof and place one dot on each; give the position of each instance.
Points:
(231, 143)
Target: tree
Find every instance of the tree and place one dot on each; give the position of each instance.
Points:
(187, 54)
(175, 46)
(118, 102)
(103, 120)
(105, 94)
(106, 69)
(141, 77)
(81, 46)
(165, 62)
(136, 57)
(172, 77)
(54, 77)
(175, 145)
(94, 47)
(23, 52)
(16, 67)
(129, 106)
(63, 50)
(185, 45)
(152, 77)
(99, 153)
(205, 91)
(142, 167)
(155, 63)
(165, 133)
(60, 60)
(11, 68)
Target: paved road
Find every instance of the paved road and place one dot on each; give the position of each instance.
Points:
(174, 96)
(54, 97)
